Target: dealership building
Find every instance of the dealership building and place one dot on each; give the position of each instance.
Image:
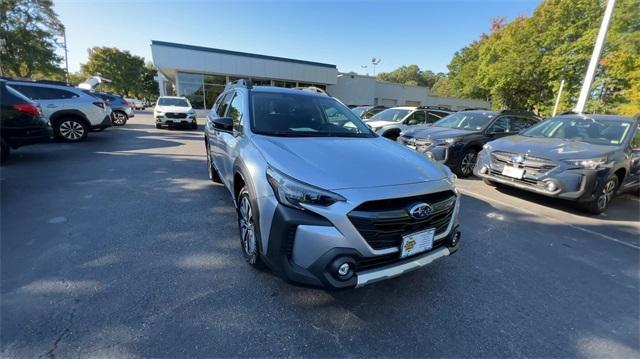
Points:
(200, 74)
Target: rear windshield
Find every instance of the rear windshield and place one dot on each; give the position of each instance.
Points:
(293, 115)
(596, 132)
(180, 102)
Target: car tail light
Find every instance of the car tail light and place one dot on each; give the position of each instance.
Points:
(100, 104)
(28, 108)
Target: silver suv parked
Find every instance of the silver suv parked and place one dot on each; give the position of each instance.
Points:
(321, 199)
(71, 112)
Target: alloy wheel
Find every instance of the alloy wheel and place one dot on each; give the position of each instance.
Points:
(607, 194)
(119, 119)
(247, 229)
(468, 162)
(71, 130)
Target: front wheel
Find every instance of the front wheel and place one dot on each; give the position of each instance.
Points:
(248, 229)
(467, 163)
(604, 196)
(119, 118)
(71, 130)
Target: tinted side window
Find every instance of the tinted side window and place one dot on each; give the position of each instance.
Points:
(28, 91)
(57, 94)
(235, 112)
(501, 125)
(417, 117)
(521, 123)
(224, 103)
(433, 116)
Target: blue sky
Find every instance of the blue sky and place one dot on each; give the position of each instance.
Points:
(345, 33)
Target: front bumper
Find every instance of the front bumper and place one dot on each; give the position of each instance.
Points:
(441, 153)
(171, 121)
(559, 182)
(304, 247)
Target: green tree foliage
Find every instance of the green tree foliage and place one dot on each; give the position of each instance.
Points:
(521, 64)
(443, 88)
(30, 30)
(128, 73)
(411, 75)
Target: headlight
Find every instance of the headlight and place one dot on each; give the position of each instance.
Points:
(293, 193)
(589, 163)
(449, 141)
(487, 147)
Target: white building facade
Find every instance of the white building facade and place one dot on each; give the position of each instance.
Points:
(200, 74)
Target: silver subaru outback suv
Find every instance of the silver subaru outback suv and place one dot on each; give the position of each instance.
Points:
(321, 199)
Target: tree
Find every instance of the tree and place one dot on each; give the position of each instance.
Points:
(411, 75)
(443, 88)
(128, 74)
(30, 29)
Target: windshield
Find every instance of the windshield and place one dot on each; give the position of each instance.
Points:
(391, 114)
(584, 130)
(179, 102)
(473, 121)
(285, 114)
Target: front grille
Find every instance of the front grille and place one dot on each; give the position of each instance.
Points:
(534, 166)
(382, 223)
(175, 115)
(412, 141)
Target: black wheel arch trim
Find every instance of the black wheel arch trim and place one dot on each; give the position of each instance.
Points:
(58, 115)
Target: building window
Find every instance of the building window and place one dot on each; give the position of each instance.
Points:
(191, 86)
(261, 82)
(215, 79)
(211, 93)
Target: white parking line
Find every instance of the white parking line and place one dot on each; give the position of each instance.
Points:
(489, 199)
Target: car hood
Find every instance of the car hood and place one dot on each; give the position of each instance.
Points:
(432, 132)
(551, 148)
(341, 163)
(375, 124)
(173, 109)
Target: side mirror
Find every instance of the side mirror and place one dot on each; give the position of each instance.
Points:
(223, 123)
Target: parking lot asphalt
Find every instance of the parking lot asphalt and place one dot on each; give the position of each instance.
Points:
(120, 246)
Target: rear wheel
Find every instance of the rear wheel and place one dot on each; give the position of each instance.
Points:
(71, 129)
(119, 118)
(604, 196)
(248, 229)
(467, 163)
(194, 126)
(5, 151)
(158, 126)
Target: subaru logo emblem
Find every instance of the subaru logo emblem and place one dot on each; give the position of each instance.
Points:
(420, 210)
(517, 159)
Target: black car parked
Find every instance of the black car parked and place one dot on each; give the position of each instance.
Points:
(456, 139)
(21, 121)
(583, 158)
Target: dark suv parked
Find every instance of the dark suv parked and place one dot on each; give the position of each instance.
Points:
(21, 121)
(584, 158)
(121, 110)
(456, 139)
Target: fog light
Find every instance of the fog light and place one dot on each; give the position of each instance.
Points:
(551, 186)
(484, 170)
(344, 269)
(455, 239)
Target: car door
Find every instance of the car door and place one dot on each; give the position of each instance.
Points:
(633, 178)
(213, 134)
(499, 128)
(519, 124)
(229, 139)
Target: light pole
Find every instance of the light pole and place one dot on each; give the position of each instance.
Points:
(555, 108)
(375, 62)
(595, 58)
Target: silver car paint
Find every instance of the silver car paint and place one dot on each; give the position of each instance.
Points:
(360, 169)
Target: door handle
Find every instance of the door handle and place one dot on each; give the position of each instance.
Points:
(52, 106)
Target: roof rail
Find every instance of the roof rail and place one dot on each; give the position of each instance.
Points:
(476, 109)
(312, 89)
(239, 83)
(518, 112)
(434, 108)
(567, 113)
(46, 82)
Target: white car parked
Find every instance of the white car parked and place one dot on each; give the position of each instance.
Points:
(174, 111)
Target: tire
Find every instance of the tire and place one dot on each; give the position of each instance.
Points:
(5, 151)
(158, 126)
(194, 126)
(213, 173)
(249, 241)
(466, 163)
(119, 118)
(605, 195)
(71, 129)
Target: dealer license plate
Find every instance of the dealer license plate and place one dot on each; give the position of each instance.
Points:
(513, 172)
(417, 242)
